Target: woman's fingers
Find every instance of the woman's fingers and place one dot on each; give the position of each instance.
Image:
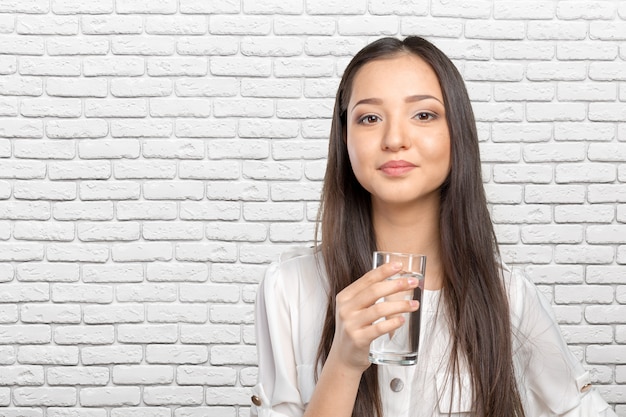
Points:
(371, 277)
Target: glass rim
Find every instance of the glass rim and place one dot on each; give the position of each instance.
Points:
(405, 254)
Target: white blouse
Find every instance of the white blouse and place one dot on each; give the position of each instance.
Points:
(290, 310)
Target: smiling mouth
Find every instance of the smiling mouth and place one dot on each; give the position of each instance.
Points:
(396, 168)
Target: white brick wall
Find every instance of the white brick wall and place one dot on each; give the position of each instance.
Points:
(156, 155)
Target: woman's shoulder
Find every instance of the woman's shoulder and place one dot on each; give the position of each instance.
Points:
(296, 270)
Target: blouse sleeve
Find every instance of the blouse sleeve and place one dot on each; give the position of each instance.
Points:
(555, 381)
(276, 393)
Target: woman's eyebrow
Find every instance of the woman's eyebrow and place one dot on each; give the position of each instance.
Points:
(409, 99)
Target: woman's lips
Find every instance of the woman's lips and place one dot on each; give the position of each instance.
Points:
(396, 168)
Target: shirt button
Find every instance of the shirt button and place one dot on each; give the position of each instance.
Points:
(256, 400)
(396, 385)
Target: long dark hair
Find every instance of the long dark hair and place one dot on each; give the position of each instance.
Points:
(473, 293)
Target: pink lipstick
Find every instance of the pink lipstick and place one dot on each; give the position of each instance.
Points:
(396, 168)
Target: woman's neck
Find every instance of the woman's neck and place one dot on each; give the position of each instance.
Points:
(412, 229)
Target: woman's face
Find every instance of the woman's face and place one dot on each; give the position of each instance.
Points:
(397, 134)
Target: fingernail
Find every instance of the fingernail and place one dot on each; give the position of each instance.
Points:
(396, 265)
(414, 303)
(411, 281)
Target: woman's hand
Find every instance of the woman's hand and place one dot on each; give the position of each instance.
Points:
(357, 310)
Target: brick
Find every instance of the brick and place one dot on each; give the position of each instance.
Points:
(7, 355)
(483, 29)
(554, 194)
(70, 252)
(94, 314)
(367, 25)
(464, 8)
(503, 194)
(521, 214)
(176, 25)
(112, 273)
(478, 50)
(209, 128)
(39, 190)
(555, 274)
(45, 396)
(192, 395)
(68, 314)
(589, 10)
(231, 191)
(111, 190)
(268, 47)
(498, 112)
(21, 252)
(585, 254)
(177, 272)
(227, 396)
(203, 375)
(83, 210)
(605, 314)
(561, 71)
(536, 91)
(499, 152)
(589, 294)
(183, 149)
(213, 7)
(157, 169)
(520, 254)
(8, 65)
(215, 293)
(104, 355)
(560, 152)
(116, 108)
(320, 88)
(398, 7)
(308, 25)
(303, 67)
(140, 87)
(47, 272)
(299, 149)
(77, 376)
(16, 169)
(593, 50)
(207, 87)
(111, 25)
(177, 66)
(109, 396)
(46, 25)
(607, 112)
(209, 334)
(584, 131)
(142, 252)
(146, 292)
(233, 355)
(273, 211)
(173, 190)
(146, 210)
(238, 273)
(82, 7)
(167, 107)
(37, 149)
(611, 354)
(22, 375)
(295, 191)
(607, 152)
(109, 149)
(15, 85)
(21, 128)
(552, 234)
(43, 231)
(242, 67)
(142, 375)
(607, 31)
(74, 170)
(113, 66)
(523, 10)
(606, 234)
(48, 355)
(143, 45)
(203, 252)
(141, 412)
(78, 293)
(172, 231)
(511, 173)
(76, 129)
(515, 132)
(542, 112)
(586, 92)
(249, 107)
(607, 71)
(8, 314)
(92, 335)
(153, 333)
(28, 334)
(94, 232)
(48, 66)
(22, 45)
(589, 172)
(595, 213)
(587, 334)
(527, 50)
(166, 313)
(605, 275)
(285, 232)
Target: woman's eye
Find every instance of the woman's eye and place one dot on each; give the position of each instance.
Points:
(369, 119)
(424, 116)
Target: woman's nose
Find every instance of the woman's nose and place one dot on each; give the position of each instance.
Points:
(395, 136)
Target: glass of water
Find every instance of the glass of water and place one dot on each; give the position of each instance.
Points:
(400, 346)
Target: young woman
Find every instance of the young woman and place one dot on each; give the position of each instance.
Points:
(404, 175)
